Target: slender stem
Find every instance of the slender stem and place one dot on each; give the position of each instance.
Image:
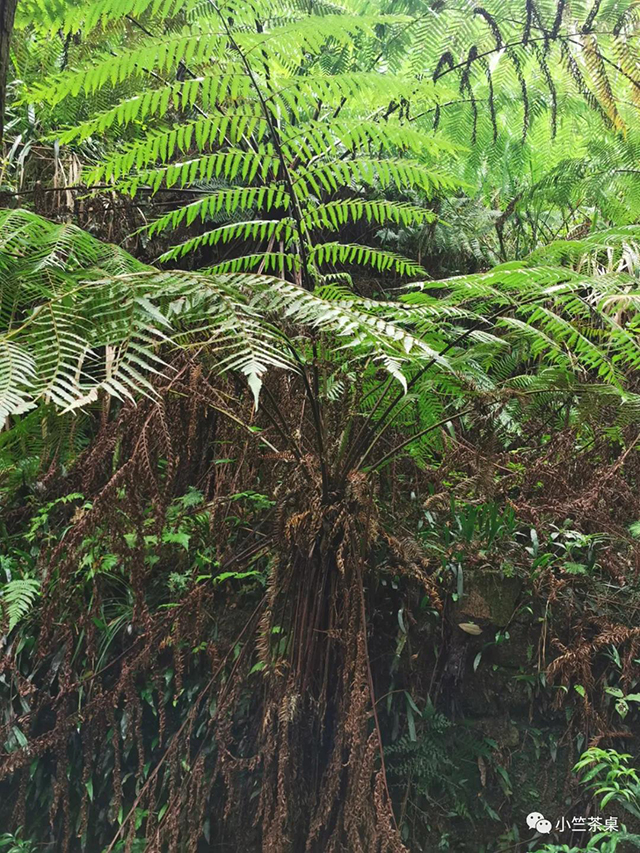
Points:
(317, 420)
(378, 436)
(388, 456)
(474, 327)
(283, 427)
(369, 418)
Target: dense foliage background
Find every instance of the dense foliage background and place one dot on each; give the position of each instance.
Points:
(319, 420)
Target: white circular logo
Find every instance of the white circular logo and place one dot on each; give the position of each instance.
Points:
(533, 819)
(543, 826)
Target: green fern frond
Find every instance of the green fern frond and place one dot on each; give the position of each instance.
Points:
(152, 55)
(354, 253)
(315, 138)
(230, 165)
(161, 145)
(17, 379)
(76, 15)
(255, 229)
(335, 214)
(17, 598)
(267, 262)
(383, 173)
(241, 198)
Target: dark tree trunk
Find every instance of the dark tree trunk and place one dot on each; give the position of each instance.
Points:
(7, 15)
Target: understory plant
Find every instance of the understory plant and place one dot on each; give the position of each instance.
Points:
(607, 776)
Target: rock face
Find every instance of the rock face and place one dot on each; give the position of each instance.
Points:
(494, 689)
(489, 597)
